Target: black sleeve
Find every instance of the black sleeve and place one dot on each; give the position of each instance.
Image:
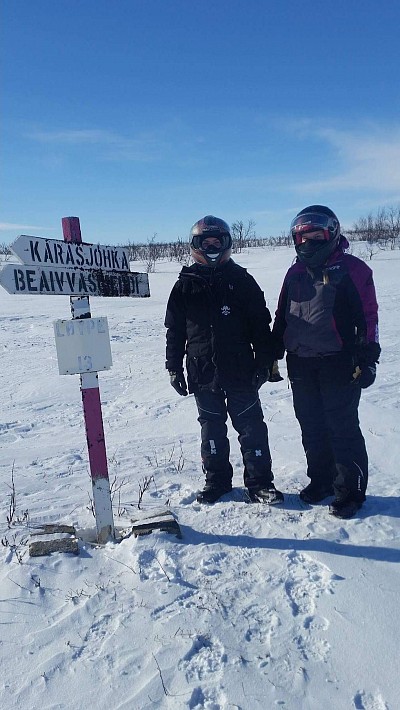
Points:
(175, 322)
(259, 319)
(279, 326)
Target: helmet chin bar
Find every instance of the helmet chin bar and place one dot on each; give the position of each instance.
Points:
(211, 258)
(314, 253)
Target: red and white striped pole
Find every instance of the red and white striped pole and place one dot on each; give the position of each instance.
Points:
(80, 308)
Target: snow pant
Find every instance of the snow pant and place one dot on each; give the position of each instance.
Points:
(244, 409)
(326, 403)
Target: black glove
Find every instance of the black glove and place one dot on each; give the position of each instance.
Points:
(365, 375)
(260, 376)
(178, 382)
(275, 375)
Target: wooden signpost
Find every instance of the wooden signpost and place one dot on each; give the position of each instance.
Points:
(79, 270)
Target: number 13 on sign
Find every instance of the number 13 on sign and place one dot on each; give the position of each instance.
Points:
(82, 345)
(85, 364)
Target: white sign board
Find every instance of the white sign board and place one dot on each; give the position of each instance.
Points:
(52, 252)
(83, 345)
(62, 281)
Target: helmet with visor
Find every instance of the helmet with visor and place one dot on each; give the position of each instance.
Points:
(210, 241)
(315, 232)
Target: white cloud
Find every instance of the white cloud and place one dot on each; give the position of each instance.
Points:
(145, 147)
(369, 159)
(5, 226)
(75, 137)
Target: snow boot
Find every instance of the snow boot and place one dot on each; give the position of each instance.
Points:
(269, 495)
(344, 508)
(211, 493)
(315, 492)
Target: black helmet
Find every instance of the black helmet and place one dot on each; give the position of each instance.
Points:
(315, 252)
(210, 254)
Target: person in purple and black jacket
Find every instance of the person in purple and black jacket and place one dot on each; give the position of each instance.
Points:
(327, 321)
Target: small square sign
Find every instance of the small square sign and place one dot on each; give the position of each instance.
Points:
(83, 345)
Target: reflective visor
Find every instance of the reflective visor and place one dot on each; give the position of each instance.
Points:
(312, 222)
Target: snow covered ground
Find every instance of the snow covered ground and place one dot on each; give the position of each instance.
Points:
(254, 608)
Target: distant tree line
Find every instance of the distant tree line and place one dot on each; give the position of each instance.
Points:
(378, 231)
(243, 237)
(381, 229)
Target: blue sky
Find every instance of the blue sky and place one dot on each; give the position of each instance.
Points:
(141, 116)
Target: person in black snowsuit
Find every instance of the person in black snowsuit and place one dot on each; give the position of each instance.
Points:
(217, 316)
(327, 321)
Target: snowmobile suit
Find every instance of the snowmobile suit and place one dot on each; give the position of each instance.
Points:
(327, 321)
(217, 317)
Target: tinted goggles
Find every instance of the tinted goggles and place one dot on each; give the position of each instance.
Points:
(224, 239)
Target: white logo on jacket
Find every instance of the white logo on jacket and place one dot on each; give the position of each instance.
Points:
(225, 310)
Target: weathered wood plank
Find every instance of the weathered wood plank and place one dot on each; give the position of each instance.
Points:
(59, 538)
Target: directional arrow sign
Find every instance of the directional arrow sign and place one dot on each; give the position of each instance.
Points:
(50, 252)
(30, 280)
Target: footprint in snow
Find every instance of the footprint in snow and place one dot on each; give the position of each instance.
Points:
(205, 658)
(368, 701)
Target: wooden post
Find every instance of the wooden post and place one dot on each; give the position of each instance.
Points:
(80, 308)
